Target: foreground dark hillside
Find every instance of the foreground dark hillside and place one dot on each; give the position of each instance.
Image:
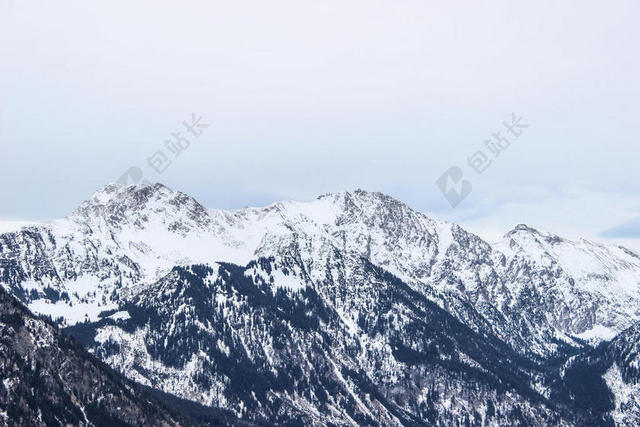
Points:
(49, 379)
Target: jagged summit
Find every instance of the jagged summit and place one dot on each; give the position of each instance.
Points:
(360, 198)
(522, 228)
(118, 206)
(524, 231)
(109, 193)
(130, 196)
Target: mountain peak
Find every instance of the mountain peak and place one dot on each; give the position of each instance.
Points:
(117, 204)
(521, 228)
(360, 199)
(523, 232)
(117, 193)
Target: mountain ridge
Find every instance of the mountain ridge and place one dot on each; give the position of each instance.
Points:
(141, 231)
(352, 275)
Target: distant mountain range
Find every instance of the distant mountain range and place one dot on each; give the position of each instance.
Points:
(352, 309)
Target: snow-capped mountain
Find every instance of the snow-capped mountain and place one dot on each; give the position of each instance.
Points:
(591, 289)
(343, 288)
(529, 285)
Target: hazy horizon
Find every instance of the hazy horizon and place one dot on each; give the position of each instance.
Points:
(328, 97)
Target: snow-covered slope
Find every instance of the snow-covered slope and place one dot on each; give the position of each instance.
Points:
(589, 289)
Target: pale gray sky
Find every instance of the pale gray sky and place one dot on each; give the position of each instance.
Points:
(308, 97)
